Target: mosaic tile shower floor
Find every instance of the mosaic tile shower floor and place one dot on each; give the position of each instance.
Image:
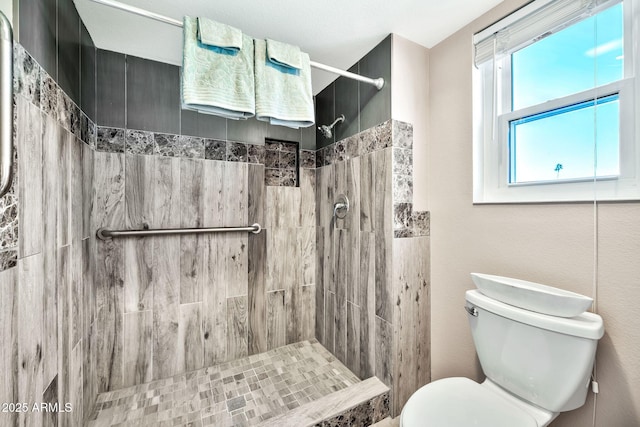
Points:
(243, 392)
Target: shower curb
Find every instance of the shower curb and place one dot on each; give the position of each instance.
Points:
(361, 404)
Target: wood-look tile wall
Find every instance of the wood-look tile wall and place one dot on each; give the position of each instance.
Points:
(372, 276)
(171, 304)
(46, 313)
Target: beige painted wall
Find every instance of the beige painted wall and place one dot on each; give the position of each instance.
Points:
(6, 7)
(552, 243)
(410, 103)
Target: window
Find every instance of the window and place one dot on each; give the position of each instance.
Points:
(555, 104)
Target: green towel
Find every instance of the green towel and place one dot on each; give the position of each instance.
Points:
(219, 35)
(217, 83)
(284, 54)
(283, 98)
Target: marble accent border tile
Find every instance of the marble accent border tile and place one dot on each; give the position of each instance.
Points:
(307, 159)
(421, 223)
(33, 83)
(9, 220)
(49, 95)
(27, 75)
(139, 142)
(363, 415)
(402, 216)
(215, 149)
(110, 140)
(376, 138)
(409, 223)
(347, 148)
(402, 161)
(402, 188)
(289, 160)
(392, 133)
(282, 163)
(362, 404)
(191, 147)
(402, 134)
(68, 114)
(283, 146)
(115, 140)
(256, 153)
(8, 259)
(166, 144)
(236, 152)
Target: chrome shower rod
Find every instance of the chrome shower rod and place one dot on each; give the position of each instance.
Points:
(378, 83)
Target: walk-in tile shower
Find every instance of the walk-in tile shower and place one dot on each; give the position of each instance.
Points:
(235, 328)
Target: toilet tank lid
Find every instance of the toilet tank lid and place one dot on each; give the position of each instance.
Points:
(586, 325)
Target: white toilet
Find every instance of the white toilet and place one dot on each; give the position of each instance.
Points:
(537, 365)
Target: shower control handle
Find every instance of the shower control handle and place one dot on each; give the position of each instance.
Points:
(341, 207)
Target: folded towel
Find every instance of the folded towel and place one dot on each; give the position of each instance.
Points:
(219, 37)
(284, 54)
(282, 98)
(214, 83)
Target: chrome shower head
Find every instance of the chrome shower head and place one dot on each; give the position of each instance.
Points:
(327, 130)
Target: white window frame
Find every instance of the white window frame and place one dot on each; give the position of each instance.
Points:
(492, 114)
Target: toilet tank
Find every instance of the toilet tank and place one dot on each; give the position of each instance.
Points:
(543, 359)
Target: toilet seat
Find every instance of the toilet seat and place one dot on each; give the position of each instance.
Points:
(461, 402)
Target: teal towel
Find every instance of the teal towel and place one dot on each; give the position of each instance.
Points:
(216, 83)
(219, 36)
(283, 98)
(284, 54)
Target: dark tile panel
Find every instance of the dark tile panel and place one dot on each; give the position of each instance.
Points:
(308, 138)
(325, 114)
(193, 123)
(69, 49)
(347, 100)
(87, 73)
(153, 95)
(375, 105)
(110, 78)
(283, 132)
(37, 27)
(251, 131)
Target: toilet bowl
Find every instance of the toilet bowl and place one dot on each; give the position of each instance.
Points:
(536, 365)
(458, 402)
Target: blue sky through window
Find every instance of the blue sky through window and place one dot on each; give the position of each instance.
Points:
(583, 56)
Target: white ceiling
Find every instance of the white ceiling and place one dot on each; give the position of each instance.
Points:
(333, 32)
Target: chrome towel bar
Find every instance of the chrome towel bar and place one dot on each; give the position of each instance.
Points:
(6, 105)
(106, 234)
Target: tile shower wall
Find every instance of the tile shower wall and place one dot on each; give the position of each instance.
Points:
(362, 104)
(372, 279)
(46, 308)
(167, 305)
(172, 304)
